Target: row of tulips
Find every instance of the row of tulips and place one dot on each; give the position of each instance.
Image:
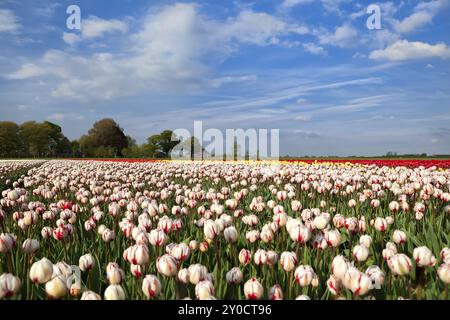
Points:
(209, 230)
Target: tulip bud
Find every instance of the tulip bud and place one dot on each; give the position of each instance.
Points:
(380, 224)
(180, 252)
(138, 254)
(424, 257)
(334, 285)
(360, 253)
(90, 295)
(151, 286)
(351, 203)
(252, 236)
(7, 242)
(333, 237)
(197, 273)
(46, 232)
(9, 285)
(167, 265)
(399, 237)
(234, 276)
(321, 221)
(339, 267)
(272, 257)
(203, 246)
(210, 229)
(276, 293)
(300, 234)
(288, 261)
(253, 290)
(304, 276)
(101, 229)
(157, 238)
(444, 273)
(136, 270)
(114, 273)
(41, 271)
(399, 264)
(204, 290)
(365, 240)
(86, 262)
(57, 287)
(114, 292)
(193, 245)
(108, 235)
(245, 256)
(230, 234)
(30, 246)
(357, 282)
(296, 205)
(445, 255)
(183, 276)
(260, 257)
(394, 206)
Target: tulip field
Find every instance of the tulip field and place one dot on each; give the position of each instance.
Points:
(164, 230)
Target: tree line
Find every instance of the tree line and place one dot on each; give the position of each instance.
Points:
(106, 139)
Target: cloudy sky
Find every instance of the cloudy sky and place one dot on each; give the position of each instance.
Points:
(311, 68)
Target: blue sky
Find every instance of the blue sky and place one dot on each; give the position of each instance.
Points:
(311, 68)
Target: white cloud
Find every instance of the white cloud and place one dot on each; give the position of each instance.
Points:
(314, 49)
(343, 36)
(413, 22)
(218, 82)
(423, 14)
(94, 27)
(47, 11)
(71, 38)
(334, 6)
(174, 49)
(259, 28)
(8, 21)
(404, 50)
(287, 4)
(26, 71)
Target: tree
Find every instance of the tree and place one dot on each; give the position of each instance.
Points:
(10, 144)
(43, 139)
(59, 145)
(161, 144)
(36, 138)
(107, 134)
(75, 149)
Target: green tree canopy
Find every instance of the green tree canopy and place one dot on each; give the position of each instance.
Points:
(161, 144)
(10, 144)
(107, 134)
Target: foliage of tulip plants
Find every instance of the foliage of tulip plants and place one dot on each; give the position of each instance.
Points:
(95, 230)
